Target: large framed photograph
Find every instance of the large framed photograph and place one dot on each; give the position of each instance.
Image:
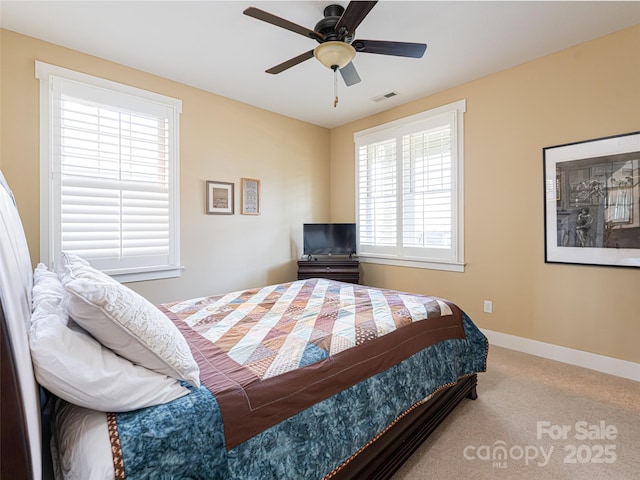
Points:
(250, 196)
(592, 202)
(219, 198)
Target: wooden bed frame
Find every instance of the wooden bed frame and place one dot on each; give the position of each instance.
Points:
(378, 461)
(382, 458)
(16, 457)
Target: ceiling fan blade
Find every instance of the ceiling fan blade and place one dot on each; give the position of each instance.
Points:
(281, 22)
(291, 62)
(353, 16)
(350, 74)
(398, 49)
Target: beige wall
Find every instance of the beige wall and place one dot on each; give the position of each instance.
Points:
(221, 140)
(585, 92)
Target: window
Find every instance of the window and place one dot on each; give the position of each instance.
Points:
(109, 175)
(409, 190)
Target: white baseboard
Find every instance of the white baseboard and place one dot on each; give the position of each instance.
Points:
(593, 361)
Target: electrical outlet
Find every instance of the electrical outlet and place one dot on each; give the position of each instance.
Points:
(488, 306)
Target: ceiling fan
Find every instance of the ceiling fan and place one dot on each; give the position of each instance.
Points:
(335, 34)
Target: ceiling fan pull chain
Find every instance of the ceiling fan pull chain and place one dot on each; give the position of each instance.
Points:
(335, 87)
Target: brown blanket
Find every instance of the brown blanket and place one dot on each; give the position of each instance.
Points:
(267, 354)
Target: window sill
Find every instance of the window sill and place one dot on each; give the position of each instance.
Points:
(427, 264)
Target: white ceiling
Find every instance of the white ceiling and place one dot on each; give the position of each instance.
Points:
(211, 45)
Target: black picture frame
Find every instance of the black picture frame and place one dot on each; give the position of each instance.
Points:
(592, 202)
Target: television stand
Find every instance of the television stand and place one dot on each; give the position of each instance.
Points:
(343, 269)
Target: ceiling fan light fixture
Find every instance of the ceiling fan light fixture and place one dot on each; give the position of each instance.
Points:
(334, 54)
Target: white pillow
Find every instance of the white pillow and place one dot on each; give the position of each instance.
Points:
(75, 367)
(72, 266)
(46, 288)
(127, 323)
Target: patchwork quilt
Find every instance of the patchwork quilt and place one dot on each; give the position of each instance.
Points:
(268, 353)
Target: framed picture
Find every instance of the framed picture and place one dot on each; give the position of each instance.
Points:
(592, 202)
(250, 196)
(219, 198)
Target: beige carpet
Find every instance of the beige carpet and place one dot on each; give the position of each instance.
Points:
(553, 420)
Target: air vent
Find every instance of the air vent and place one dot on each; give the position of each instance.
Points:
(384, 96)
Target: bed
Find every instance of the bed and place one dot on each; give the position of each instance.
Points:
(306, 379)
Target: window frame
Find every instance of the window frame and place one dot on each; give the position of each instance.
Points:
(396, 129)
(50, 239)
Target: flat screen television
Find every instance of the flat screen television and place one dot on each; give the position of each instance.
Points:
(329, 238)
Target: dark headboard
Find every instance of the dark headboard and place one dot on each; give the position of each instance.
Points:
(16, 455)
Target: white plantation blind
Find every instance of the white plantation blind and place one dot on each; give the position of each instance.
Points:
(427, 191)
(113, 179)
(378, 199)
(409, 177)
